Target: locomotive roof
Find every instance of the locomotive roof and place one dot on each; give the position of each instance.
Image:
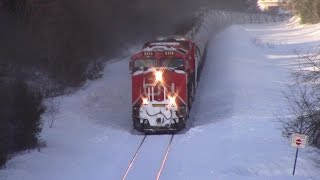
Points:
(174, 42)
(172, 39)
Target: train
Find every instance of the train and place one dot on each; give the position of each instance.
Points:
(165, 75)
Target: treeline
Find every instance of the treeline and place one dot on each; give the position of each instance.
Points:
(50, 45)
(304, 102)
(309, 10)
(20, 111)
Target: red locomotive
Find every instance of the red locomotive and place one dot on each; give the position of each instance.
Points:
(165, 74)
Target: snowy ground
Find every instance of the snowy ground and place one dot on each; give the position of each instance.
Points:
(235, 134)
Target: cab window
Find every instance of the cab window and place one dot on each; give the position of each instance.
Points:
(144, 63)
(173, 63)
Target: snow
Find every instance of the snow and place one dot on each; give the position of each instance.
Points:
(235, 133)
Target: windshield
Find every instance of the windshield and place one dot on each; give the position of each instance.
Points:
(145, 63)
(173, 63)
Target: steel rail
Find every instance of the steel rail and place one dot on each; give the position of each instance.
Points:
(165, 158)
(134, 158)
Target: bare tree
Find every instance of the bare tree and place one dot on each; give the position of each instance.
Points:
(52, 108)
(304, 100)
(309, 10)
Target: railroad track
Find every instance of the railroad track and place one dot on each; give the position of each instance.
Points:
(137, 155)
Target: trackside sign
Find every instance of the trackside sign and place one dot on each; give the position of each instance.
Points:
(299, 140)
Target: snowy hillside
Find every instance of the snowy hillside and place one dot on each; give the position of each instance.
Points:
(234, 133)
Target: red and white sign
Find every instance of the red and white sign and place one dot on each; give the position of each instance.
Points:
(299, 140)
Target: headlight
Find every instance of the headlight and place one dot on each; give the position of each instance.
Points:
(145, 101)
(158, 75)
(172, 101)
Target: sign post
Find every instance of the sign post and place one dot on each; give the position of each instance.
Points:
(295, 161)
(298, 141)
